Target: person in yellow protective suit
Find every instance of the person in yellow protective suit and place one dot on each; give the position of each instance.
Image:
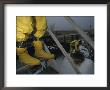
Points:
(74, 45)
(24, 28)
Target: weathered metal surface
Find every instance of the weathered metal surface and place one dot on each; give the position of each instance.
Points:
(77, 28)
(64, 52)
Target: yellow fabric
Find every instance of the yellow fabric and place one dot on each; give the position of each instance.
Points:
(74, 44)
(25, 58)
(24, 27)
(20, 50)
(40, 53)
(41, 25)
(38, 44)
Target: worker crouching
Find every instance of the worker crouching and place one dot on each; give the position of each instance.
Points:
(27, 27)
(74, 45)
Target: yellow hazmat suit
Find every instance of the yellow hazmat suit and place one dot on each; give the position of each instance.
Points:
(74, 46)
(40, 53)
(24, 27)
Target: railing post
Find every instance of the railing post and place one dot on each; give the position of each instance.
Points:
(71, 61)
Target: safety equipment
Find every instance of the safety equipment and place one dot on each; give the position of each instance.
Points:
(23, 27)
(40, 53)
(41, 25)
(74, 46)
(25, 58)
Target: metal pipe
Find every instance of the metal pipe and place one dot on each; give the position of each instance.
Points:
(64, 52)
(77, 28)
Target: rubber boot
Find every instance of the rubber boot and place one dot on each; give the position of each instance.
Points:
(40, 53)
(25, 58)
